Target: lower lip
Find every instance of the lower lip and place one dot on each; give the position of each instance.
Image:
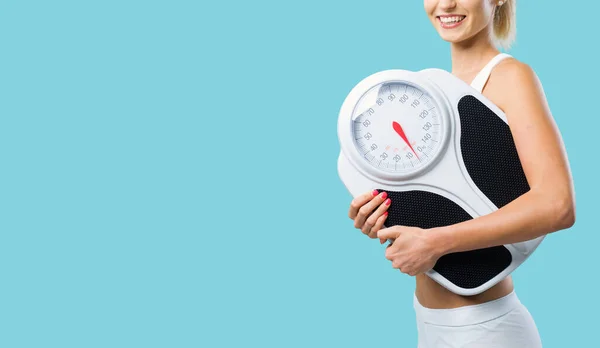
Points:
(450, 25)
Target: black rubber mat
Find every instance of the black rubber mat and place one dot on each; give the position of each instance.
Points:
(489, 153)
(490, 156)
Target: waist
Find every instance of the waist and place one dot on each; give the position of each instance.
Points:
(432, 295)
(466, 315)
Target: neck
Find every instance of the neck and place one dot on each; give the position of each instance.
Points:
(471, 55)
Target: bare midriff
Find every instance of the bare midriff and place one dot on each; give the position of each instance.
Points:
(432, 295)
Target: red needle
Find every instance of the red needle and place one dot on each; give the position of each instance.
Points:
(400, 131)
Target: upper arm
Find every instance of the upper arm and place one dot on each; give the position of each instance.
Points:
(518, 92)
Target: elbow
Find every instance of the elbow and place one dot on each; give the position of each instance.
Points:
(564, 213)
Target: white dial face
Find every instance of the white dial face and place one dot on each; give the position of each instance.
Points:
(398, 127)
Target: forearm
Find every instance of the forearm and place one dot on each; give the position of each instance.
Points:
(527, 217)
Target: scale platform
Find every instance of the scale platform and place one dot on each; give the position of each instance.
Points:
(444, 154)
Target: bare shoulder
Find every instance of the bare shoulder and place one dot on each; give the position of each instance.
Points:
(513, 83)
(513, 68)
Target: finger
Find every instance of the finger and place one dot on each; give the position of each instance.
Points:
(365, 211)
(378, 217)
(374, 222)
(359, 201)
(388, 233)
(378, 225)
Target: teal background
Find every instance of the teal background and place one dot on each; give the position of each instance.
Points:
(168, 173)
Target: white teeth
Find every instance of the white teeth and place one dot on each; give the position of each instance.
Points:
(454, 19)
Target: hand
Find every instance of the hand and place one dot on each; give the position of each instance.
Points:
(413, 251)
(365, 219)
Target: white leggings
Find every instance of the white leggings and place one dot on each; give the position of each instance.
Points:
(500, 323)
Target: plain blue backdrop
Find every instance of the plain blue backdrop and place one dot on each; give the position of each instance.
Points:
(168, 173)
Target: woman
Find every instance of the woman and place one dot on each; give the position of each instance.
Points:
(496, 317)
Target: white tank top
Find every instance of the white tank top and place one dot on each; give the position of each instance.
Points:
(479, 81)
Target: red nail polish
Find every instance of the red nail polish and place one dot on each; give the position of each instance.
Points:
(384, 195)
(388, 202)
(385, 213)
(375, 193)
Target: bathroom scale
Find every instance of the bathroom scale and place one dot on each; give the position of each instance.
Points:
(444, 154)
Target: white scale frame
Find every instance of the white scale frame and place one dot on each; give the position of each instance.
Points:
(445, 174)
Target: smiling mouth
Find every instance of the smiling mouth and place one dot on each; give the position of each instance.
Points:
(451, 20)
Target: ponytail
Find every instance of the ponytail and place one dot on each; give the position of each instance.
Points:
(505, 24)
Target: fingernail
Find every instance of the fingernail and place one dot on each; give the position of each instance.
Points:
(385, 213)
(384, 195)
(381, 240)
(388, 202)
(375, 193)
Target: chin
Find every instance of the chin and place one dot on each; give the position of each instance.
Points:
(453, 35)
(452, 38)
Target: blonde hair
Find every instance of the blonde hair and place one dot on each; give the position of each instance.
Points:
(505, 24)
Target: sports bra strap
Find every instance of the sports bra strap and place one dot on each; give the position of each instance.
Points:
(479, 81)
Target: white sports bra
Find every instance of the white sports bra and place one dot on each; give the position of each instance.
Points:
(479, 81)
